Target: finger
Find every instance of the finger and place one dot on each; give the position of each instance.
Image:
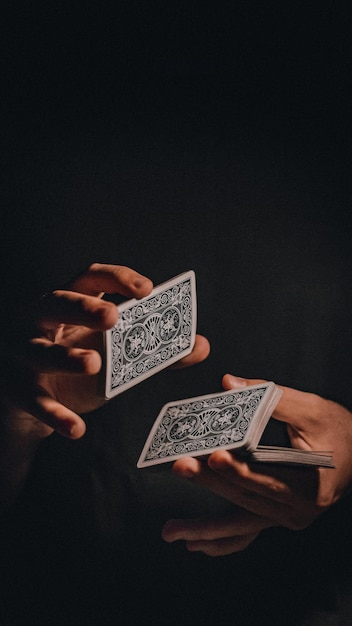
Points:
(229, 381)
(297, 512)
(36, 402)
(60, 418)
(222, 547)
(234, 479)
(68, 307)
(199, 353)
(46, 356)
(22, 392)
(300, 409)
(216, 537)
(280, 484)
(190, 467)
(240, 523)
(101, 278)
(203, 475)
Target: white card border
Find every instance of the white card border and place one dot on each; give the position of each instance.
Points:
(190, 274)
(271, 402)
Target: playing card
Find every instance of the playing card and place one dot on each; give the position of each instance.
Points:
(151, 333)
(197, 426)
(292, 456)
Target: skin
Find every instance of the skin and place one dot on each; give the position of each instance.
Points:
(56, 362)
(265, 496)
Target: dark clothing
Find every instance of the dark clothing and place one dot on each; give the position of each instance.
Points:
(248, 186)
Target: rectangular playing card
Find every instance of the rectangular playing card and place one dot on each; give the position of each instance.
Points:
(230, 420)
(198, 426)
(291, 456)
(151, 333)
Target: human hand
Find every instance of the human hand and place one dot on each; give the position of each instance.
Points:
(50, 367)
(270, 495)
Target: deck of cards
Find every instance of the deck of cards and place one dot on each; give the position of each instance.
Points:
(151, 333)
(155, 332)
(230, 420)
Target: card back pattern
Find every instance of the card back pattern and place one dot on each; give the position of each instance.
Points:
(203, 425)
(151, 334)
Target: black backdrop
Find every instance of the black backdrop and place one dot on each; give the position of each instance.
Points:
(171, 136)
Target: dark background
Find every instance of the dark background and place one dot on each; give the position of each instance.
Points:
(168, 136)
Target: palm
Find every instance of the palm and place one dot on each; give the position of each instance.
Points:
(62, 355)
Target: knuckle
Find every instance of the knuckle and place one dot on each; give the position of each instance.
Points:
(325, 501)
(244, 471)
(93, 267)
(299, 520)
(107, 314)
(318, 406)
(277, 489)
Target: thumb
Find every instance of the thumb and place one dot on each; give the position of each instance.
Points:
(294, 407)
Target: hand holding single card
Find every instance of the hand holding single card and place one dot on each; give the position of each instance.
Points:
(151, 334)
(51, 359)
(51, 364)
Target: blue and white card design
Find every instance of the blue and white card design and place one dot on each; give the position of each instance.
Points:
(151, 333)
(198, 426)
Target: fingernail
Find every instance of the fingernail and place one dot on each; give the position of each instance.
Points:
(143, 284)
(183, 473)
(171, 531)
(236, 381)
(75, 430)
(192, 547)
(188, 474)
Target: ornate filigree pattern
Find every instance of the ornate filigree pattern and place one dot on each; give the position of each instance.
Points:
(151, 332)
(208, 423)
